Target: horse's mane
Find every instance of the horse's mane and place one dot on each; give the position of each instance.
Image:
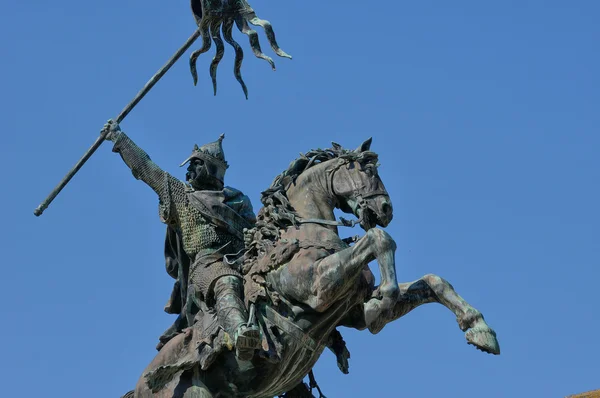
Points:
(277, 213)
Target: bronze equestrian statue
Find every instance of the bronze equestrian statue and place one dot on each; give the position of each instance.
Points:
(301, 280)
(259, 298)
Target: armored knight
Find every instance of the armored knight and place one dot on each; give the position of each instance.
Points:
(205, 223)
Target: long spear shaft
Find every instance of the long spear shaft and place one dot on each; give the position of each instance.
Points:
(161, 72)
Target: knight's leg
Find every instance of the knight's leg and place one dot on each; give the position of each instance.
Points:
(431, 288)
(232, 315)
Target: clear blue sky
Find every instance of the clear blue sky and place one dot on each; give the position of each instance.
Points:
(485, 115)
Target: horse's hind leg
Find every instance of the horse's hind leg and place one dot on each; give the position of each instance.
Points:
(429, 289)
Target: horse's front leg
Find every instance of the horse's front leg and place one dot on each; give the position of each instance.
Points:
(337, 273)
(429, 289)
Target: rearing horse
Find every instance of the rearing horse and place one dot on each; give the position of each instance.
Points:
(303, 281)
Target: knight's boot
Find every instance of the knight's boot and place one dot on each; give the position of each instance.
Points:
(233, 317)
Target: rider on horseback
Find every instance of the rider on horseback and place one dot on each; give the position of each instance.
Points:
(207, 219)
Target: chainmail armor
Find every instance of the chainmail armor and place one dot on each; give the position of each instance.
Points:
(197, 232)
(205, 271)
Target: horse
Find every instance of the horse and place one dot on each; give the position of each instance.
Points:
(303, 281)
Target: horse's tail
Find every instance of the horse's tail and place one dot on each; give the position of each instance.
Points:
(128, 395)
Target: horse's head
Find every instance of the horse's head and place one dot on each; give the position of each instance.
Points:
(359, 190)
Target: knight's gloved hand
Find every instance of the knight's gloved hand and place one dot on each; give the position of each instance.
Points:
(113, 129)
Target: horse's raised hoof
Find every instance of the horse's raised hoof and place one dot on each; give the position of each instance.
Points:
(246, 342)
(484, 339)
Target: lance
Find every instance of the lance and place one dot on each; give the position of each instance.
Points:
(161, 72)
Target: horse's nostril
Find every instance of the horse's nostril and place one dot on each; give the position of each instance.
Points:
(386, 208)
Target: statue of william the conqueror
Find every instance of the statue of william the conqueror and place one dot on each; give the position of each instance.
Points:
(258, 298)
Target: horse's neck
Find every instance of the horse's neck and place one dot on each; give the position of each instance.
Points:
(309, 195)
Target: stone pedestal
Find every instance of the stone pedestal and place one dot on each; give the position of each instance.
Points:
(589, 394)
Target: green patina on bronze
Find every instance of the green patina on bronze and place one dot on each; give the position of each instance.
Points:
(301, 281)
(259, 298)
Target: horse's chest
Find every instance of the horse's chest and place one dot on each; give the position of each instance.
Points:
(315, 242)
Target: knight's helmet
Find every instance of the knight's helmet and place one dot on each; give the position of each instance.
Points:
(212, 153)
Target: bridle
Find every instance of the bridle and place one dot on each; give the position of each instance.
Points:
(360, 198)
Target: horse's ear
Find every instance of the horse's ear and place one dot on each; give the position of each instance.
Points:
(365, 146)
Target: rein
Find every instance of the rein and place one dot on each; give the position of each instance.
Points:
(342, 223)
(361, 199)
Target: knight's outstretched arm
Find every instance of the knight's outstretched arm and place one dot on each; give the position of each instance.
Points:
(142, 167)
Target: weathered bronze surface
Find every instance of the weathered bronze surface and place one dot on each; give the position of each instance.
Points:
(301, 280)
(258, 298)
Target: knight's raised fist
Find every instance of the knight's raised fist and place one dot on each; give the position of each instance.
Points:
(112, 129)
